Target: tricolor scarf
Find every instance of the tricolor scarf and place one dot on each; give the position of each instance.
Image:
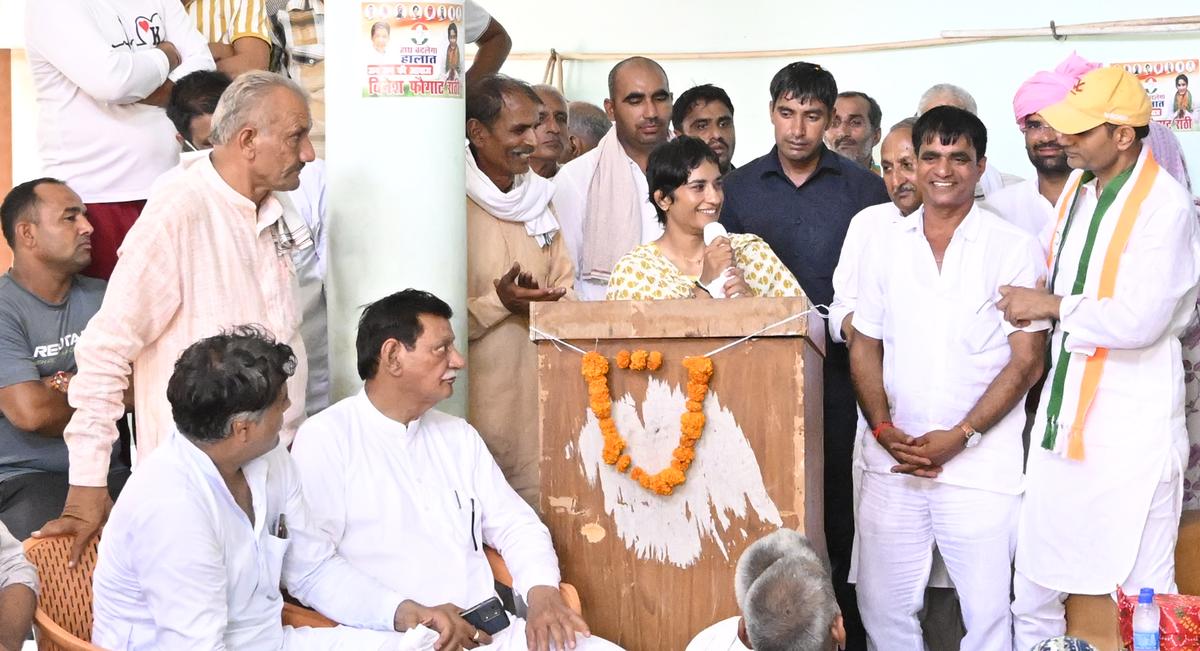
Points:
(1076, 375)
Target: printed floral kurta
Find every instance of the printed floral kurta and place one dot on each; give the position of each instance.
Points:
(646, 274)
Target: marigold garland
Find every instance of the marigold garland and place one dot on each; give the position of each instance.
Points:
(691, 423)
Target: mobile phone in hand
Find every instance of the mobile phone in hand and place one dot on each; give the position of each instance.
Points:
(488, 616)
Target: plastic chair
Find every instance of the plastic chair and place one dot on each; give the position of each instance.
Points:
(63, 619)
(298, 616)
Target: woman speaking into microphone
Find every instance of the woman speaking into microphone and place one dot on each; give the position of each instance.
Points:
(695, 258)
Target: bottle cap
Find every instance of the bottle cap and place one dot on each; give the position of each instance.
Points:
(1146, 596)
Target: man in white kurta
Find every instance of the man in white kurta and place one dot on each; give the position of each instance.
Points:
(195, 550)
(1104, 478)
(940, 377)
(602, 198)
(411, 495)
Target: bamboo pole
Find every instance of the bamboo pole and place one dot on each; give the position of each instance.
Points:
(952, 37)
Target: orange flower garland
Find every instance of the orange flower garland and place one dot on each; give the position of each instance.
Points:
(691, 424)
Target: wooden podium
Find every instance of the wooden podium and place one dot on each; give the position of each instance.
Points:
(653, 570)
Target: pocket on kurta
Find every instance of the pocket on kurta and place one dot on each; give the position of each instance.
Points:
(274, 550)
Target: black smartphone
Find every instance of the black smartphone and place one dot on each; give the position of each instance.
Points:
(488, 616)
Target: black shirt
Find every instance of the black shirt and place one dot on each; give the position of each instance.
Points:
(805, 225)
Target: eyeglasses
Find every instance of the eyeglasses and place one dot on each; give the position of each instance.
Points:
(1033, 126)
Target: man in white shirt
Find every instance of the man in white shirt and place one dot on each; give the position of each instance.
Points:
(192, 103)
(940, 377)
(102, 71)
(1030, 204)
(602, 198)
(786, 597)
(197, 546)
(1104, 483)
(950, 95)
(411, 495)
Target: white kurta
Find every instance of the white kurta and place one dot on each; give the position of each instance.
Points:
(944, 340)
(571, 186)
(414, 504)
(722, 636)
(1023, 206)
(1082, 521)
(863, 227)
(182, 567)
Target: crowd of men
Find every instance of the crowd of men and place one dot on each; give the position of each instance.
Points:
(188, 289)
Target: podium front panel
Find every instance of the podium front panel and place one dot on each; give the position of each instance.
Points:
(653, 570)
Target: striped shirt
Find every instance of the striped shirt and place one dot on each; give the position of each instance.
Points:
(225, 21)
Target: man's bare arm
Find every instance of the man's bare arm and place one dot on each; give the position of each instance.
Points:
(494, 45)
(36, 407)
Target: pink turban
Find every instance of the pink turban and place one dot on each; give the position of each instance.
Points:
(1046, 88)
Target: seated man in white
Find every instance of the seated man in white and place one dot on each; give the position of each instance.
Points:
(411, 495)
(193, 553)
(786, 597)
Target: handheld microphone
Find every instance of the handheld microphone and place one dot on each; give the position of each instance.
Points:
(712, 231)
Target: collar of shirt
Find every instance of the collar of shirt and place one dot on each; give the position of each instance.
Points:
(968, 228)
(830, 162)
(255, 472)
(393, 428)
(266, 214)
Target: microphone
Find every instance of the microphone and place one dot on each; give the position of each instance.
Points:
(712, 231)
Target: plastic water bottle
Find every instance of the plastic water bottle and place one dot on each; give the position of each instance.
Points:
(1145, 622)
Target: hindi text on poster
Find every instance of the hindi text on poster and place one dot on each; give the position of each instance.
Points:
(1168, 82)
(413, 49)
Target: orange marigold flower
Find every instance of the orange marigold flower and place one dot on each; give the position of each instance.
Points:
(692, 405)
(623, 359)
(681, 466)
(602, 408)
(638, 361)
(594, 365)
(698, 367)
(672, 476)
(624, 462)
(637, 474)
(692, 422)
(696, 392)
(655, 361)
(684, 454)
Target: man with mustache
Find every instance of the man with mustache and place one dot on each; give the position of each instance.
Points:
(551, 132)
(800, 198)
(44, 305)
(1109, 439)
(602, 198)
(516, 256)
(209, 252)
(411, 495)
(855, 129)
(706, 112)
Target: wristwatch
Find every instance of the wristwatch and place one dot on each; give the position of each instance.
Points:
(971, 437)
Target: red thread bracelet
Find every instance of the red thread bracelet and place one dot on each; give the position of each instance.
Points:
(879, 428)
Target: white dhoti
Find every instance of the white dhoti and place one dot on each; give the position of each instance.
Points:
(901, 518)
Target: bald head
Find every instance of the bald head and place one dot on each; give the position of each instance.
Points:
(639, 103)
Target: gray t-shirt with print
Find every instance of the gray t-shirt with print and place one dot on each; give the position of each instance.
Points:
(37, 340)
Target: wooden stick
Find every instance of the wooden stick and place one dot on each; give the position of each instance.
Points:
(953, 37)
(561, 80)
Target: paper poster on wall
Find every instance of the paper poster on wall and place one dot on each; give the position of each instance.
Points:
(412, 49)
(1169, 84)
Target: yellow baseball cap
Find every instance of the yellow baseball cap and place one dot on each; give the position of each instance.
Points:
(1103, 95)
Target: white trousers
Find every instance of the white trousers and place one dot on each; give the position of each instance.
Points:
(901, 518)
(1039, 612)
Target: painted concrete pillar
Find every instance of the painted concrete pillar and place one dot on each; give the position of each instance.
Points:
(394, 147)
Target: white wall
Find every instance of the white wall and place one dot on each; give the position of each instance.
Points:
(990, 71)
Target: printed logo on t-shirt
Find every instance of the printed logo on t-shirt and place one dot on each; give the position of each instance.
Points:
(64, 344)
(146, 31)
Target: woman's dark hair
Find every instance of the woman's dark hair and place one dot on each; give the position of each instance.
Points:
(670, 165)
(452, 28)
(1183, 78)
(394, 317)
(238, 373)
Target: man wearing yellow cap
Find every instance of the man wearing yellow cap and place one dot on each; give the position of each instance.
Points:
(1104, 477)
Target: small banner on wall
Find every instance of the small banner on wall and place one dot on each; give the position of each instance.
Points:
(1169, 84)
(412, 49)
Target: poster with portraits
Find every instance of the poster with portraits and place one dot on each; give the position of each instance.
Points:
(412, 49)
(1169, 84)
